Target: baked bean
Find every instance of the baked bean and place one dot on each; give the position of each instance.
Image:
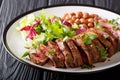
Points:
(100, 20)
(68, 17)
(82, 20)
(73, 18)
(85, 15)
(95, 19)
(77, 21)
(91, 15)
(65, 16)
(95, 15)
(90, 25)
(90, 20)
(105, 20)
(84, 25)
(71, 21)
(79, 15)
(73, 14)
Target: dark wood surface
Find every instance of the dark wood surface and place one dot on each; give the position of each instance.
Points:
(11, 69)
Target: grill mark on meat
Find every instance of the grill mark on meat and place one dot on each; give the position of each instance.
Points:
(66, 52)
(58, 57)
(75, 53)
(77, 39)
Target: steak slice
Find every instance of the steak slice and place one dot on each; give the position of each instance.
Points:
(57, 57)
(92, 47)
(86, 55)
(75, 53)
(39, 57)
(100, 46)
(110, 28)
(108, 46)
(95, 54)
(69, 61)
(113, 40)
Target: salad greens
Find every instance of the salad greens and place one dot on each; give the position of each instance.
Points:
(25, 54)
(40, 29)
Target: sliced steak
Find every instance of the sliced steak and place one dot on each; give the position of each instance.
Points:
(92, 48)
(69, 61)
(99, 46)
(86, 56)
(95, 54)
(107, 44)
(110, 28)
(75, 53)
(108, 37)
(113, 40)
(39, 57)
(57, 57)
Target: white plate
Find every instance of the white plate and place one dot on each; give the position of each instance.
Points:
(14, 43)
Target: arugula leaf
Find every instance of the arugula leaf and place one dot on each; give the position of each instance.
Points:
(25, 54)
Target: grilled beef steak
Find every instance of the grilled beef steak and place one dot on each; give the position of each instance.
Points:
(75, 53)
(69, 61)
(87, 57)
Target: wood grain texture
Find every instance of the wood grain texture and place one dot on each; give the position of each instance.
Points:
(109, 4)
(11, 69)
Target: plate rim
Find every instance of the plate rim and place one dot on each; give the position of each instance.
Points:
(4, 33)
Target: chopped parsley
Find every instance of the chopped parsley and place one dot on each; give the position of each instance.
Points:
(98, 25)
(88, 38)
(103, 52)
(52, 51)
(115, 27)
(115, 23)
(87, 66)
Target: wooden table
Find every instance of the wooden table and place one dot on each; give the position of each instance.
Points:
(11, 69)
